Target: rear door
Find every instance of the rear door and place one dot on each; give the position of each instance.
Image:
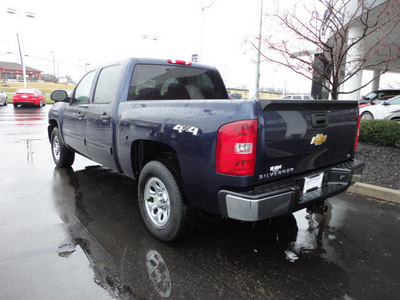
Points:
(301, 136)
(73, 127)
(100, 120)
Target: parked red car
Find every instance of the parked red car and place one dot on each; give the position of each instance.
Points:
(29, 97)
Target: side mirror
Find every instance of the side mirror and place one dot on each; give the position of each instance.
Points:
(386, 103)
(59, 96)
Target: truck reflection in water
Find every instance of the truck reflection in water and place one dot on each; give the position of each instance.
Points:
(99, 211)
(158, 273)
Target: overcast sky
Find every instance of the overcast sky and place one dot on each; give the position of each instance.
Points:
(81, 32)
(96, 32)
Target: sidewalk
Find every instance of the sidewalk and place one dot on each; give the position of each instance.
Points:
(375, 191)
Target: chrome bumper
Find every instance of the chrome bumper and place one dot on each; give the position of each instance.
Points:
(286, 196)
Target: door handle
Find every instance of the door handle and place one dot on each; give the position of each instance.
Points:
(105, 118)
(80, 116)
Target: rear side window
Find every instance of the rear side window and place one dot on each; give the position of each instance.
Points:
(107, 84)
(164, 82)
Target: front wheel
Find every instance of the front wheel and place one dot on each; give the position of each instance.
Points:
(62, 157)
(366, 116)
(162, 202)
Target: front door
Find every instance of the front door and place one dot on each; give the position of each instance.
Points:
(74, 118)
(100, 122)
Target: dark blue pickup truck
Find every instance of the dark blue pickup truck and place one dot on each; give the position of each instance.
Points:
(171, 126)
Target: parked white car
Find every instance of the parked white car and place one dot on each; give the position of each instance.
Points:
(297, 97)
(379, 111)
(3, 98)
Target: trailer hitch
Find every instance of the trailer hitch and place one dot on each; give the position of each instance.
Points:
(319, 208)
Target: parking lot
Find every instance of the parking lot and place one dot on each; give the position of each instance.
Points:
(77, 234)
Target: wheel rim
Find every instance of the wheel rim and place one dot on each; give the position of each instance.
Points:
(366, 116)
(56, 148)
(157, 202)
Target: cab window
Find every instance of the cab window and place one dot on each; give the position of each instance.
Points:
(82, 91)
(169, 82)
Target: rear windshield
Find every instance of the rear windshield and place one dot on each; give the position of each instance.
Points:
(161, 82)
(26, 91)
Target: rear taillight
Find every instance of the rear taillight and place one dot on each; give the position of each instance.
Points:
(236, 148)
(357, 134)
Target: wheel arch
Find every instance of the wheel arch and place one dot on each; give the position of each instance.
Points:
(144, 151)
(52, 124)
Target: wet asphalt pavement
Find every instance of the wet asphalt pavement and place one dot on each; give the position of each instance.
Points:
(78, 234)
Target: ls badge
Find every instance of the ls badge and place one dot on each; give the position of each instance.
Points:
(319, 139)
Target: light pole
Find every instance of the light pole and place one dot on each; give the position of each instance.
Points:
(201, 56)
(30, 15)
(54, 65)
(255, 87)
(87, 64)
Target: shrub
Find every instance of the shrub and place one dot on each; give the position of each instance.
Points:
(380, 132)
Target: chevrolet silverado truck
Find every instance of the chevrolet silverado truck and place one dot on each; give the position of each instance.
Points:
(170, 125)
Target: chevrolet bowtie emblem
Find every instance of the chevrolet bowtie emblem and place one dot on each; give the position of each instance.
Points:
(319, 139)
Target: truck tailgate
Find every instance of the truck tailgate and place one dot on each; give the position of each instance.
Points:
(301, 136)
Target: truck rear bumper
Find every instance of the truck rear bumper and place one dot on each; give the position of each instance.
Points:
(284, 197)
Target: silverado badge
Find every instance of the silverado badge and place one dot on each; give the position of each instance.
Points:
(319, 139)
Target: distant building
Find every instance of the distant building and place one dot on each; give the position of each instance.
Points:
(10, 71)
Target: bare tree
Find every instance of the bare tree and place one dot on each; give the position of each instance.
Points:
(324, 30)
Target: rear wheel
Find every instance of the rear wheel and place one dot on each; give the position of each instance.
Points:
(367, 116)
(165, 211)
(62, 157)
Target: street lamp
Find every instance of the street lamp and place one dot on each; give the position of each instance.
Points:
(202, 31)
(31, 15)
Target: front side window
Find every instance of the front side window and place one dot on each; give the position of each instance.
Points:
(164, 82)
(107, 85)
(395, 101)
(82, 91)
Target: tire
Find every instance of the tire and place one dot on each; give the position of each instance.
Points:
(165, 211)
(62, 157)
(366, 116)
(396, 119)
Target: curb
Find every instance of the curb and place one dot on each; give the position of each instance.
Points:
(374, 191)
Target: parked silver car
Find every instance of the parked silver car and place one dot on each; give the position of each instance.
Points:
(3, 98)
(394, 115)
